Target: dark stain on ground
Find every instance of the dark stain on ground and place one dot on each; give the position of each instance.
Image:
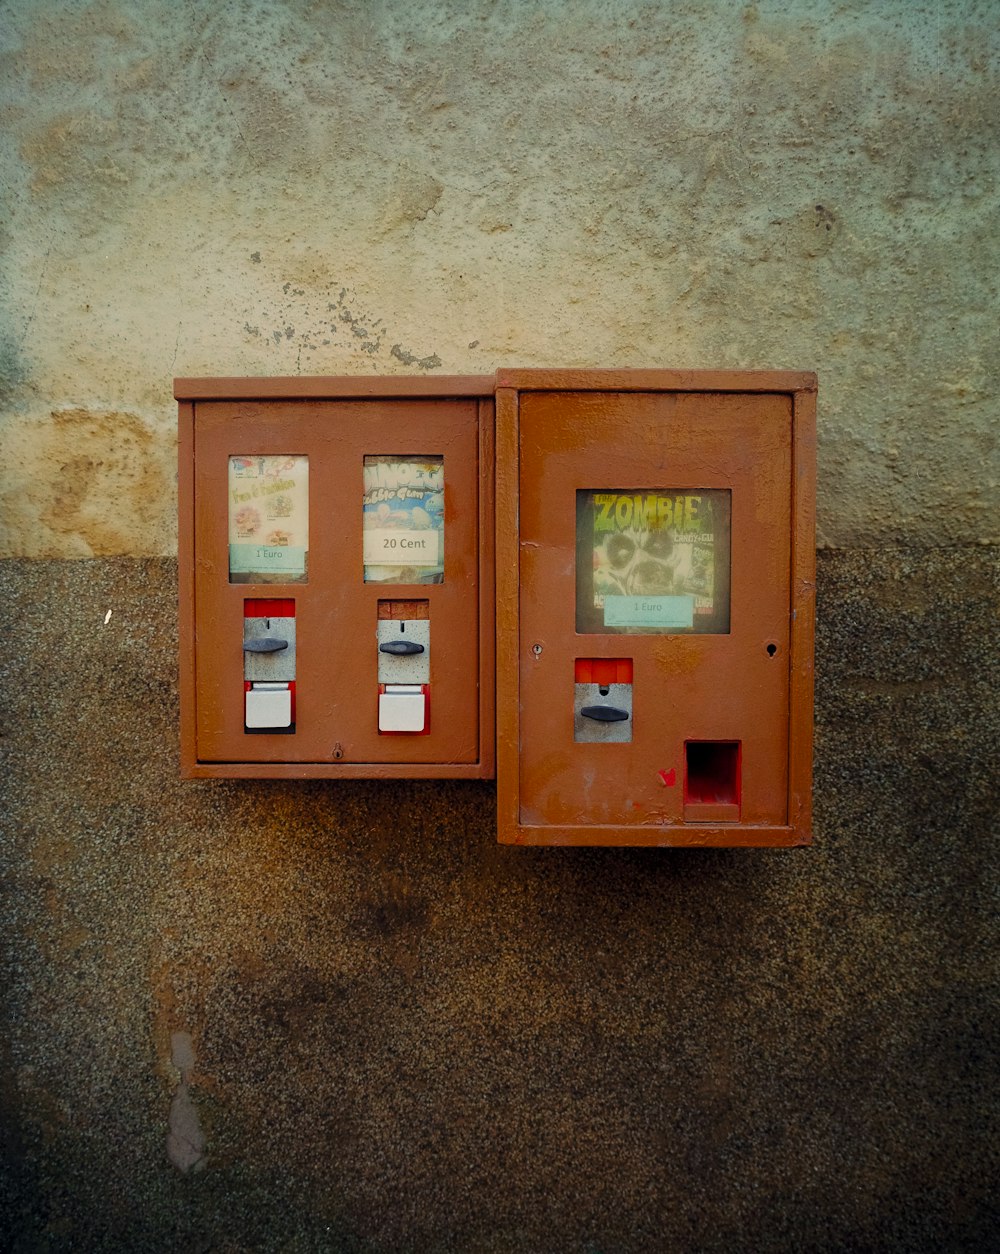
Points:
(395, 909)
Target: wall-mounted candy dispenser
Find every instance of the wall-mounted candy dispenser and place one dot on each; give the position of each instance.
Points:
(655, 603)
(336, 577)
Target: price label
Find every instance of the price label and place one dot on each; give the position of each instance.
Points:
(393, 546)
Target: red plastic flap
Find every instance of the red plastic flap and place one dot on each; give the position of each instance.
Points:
(603, 670)
(269, 607)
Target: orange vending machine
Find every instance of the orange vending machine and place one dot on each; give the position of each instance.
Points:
(655, 606)
(336, 577)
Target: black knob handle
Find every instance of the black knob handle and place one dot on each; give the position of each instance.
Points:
(604, 713)
(266, 644)
(401, 647)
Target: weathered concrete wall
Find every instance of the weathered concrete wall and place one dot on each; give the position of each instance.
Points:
(451, 185)
(261, 1016)
(373, 1029)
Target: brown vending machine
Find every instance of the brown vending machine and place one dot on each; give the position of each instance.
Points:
(655, 606)
(336, 577)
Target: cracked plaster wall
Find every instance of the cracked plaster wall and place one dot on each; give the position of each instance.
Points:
(274, 188)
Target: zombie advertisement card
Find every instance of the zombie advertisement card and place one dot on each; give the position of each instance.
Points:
(652, 562)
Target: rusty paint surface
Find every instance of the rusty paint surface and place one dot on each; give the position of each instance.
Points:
(391, 611)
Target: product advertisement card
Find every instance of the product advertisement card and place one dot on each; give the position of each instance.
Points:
(403, 519)
(268, 519)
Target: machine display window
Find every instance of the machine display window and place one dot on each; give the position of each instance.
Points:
(268, 518)
(403, 518)
(652, 561)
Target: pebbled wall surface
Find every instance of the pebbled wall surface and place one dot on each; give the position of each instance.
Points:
(274, 1016)
(338, 1016)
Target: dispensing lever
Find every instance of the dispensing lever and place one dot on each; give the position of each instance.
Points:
(604, 713)
(401, 648)
(265, 644)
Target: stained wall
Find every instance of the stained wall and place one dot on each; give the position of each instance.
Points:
(313, 1016)
(302, 187)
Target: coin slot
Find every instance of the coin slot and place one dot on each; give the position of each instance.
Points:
(602, 700)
